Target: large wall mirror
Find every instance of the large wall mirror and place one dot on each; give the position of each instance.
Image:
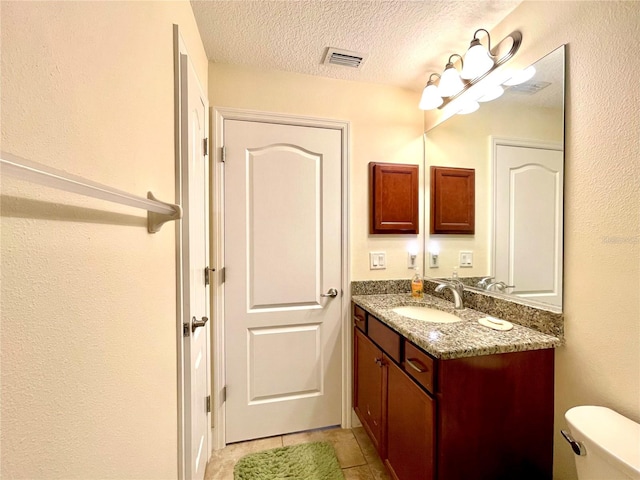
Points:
(516, 146)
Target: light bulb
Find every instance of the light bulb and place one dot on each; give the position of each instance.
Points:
(477, 61)
(450, 82)
(430, 97)
(469, 107)
(521, 76)
(491, 94)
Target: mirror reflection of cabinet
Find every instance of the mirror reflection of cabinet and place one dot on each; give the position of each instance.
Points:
(526, 114)
(453, 203)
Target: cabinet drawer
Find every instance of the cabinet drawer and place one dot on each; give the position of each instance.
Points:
(360, 318)
(386, 338)
(419, 365)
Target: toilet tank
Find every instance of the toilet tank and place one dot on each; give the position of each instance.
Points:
(610, 441)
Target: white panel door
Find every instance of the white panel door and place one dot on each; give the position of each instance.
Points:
(195, 199)
(282, 252)
(529, 185)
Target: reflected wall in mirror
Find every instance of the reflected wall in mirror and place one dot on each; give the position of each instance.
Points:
(515, 144)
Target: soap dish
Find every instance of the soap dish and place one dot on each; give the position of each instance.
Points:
(496, 323)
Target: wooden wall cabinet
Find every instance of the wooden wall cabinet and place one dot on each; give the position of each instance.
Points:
(453, 200)
(488, 417)
(393, 198)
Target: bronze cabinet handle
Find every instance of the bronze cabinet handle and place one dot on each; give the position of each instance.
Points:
(417, 368)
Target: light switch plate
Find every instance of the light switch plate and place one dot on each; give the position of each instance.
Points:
(466, 259)
(412, 261)
(377, 260)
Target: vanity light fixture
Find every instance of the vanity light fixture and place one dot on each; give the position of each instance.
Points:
(450, 81)
(491, 93)
(430, 98)
(478, 60)
(469, 107)
(521, 76)
(477, 64)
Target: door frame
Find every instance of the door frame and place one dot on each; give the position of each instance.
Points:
(182, 300)
(509, 142)
(220, 114)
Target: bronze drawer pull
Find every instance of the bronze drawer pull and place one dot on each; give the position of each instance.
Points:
(413, 365)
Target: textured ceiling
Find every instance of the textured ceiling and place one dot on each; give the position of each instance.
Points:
(403, 41)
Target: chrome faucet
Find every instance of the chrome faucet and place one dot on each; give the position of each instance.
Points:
(484, 282)
(457, 289)
(498, 286)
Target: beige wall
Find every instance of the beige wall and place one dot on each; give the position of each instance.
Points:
(386, 126)
(88, 297)
(463, 141)
(89, 367)
(600, 363)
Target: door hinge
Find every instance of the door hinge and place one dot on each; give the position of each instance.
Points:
(223, 154)
(207, 275)
(208, 401)
(186, 331)
(205, 146)
(223, 394)
(223, 274)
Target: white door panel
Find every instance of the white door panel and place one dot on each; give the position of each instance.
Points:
(282, 344)
(282, 251)
(195, 238)
(283, 219)
(529, 184)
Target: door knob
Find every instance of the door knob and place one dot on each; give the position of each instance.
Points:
(198, 323)
(331, 293)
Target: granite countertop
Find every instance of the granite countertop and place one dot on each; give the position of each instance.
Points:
(466, 338)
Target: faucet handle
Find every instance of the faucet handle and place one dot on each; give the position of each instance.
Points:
(483, 283)
(500, 286)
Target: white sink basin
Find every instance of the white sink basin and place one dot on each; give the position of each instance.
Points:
(426, 314)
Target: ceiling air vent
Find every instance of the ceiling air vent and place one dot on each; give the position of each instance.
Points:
(529, 88)
(344, 58)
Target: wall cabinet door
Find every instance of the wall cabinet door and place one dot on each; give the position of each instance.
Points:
(393, 198)
(370, 376)
(410, 427)
(453, 200)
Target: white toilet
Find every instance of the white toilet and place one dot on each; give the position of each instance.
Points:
(606, 444)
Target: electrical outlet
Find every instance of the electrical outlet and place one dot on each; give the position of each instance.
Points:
(433, 260)
(377, 260)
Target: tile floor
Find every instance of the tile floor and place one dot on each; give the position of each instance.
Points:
(356, 454)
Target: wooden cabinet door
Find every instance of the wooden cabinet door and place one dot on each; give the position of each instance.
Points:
(410, 428)
(368, 388)
(453, 200)
(393, 198)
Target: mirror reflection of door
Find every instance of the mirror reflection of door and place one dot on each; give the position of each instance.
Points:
(532, 112)
(528, 220)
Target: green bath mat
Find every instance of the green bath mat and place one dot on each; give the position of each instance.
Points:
(307, 461)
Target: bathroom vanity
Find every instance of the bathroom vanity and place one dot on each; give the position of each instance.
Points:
(452, 401)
